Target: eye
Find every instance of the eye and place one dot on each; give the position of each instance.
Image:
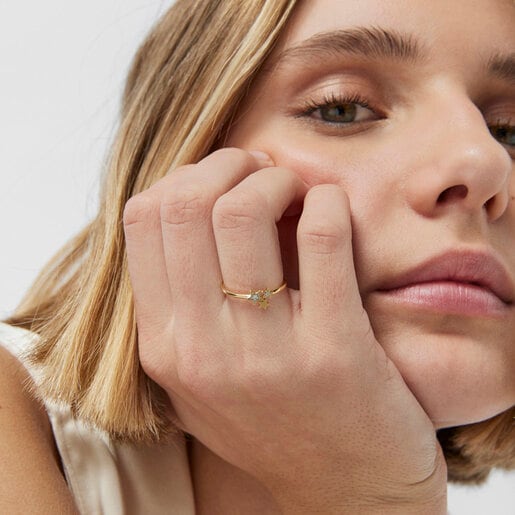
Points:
(343, 113)
(503, 133)
(340, 111)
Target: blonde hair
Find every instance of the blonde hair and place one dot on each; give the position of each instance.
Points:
(182, 91)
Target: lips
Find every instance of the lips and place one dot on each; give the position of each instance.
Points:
(465, 270)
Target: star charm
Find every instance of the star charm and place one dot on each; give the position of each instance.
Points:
(263, 303)
(261, 297)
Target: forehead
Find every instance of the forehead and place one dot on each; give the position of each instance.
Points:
(449, 24)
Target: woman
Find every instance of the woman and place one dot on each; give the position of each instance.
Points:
(366, 162)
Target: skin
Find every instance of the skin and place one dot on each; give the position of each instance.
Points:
(31, 479)
(432, 141)
(341, 211)
(336, 374)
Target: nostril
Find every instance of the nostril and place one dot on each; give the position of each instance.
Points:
(490, 204)
(453, 193)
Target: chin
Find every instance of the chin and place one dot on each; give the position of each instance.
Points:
(456, 378)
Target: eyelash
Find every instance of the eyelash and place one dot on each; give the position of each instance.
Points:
(334, 100)
(501, 125)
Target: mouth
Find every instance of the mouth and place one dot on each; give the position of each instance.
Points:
(456, 282)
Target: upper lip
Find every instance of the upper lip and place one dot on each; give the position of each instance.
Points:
(472, 267)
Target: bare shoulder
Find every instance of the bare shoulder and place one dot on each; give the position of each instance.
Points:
(30, 477)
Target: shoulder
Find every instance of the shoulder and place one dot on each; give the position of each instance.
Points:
(30, 476)
(15, 397)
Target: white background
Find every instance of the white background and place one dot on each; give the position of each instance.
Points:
(62, 66)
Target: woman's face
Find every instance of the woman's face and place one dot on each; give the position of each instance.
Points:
(406, 105)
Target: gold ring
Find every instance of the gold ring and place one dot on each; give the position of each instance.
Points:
(259, 297)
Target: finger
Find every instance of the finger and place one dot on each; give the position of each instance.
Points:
(328, 287)
(186, 211)
(244, 221)
(144, 244)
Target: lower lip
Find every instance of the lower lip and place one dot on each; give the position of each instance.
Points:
(449, 297)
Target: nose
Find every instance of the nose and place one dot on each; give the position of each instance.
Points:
(460, 166)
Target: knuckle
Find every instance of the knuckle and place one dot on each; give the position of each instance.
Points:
(236, 156)
(239, 210)
(195, 377)
(139, 209)
(185, 204)
(322, 237)
(153, 355)
(153, 364)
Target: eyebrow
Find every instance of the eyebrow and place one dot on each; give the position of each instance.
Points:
(368, 42)
(377, 43)
(502, 66)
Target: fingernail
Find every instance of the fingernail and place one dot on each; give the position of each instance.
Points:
(262, 156)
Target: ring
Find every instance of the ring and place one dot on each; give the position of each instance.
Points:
(258, 297)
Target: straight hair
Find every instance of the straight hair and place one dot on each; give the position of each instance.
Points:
(181, 94)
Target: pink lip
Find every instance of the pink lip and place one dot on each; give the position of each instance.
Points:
(473, 283)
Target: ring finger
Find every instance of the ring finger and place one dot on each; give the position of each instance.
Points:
(244, 224)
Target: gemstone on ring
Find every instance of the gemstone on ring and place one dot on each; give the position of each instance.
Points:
(257, 297)
(263, 302)
(260, 297)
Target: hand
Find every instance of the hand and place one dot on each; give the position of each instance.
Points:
(301, 396)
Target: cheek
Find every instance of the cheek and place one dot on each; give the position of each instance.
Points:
(365, 176)
(360, 165)
(366, 167)
(378, 214)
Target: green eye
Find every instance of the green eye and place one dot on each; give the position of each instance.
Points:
(344, 113)
(340, 112)
(505, 134)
